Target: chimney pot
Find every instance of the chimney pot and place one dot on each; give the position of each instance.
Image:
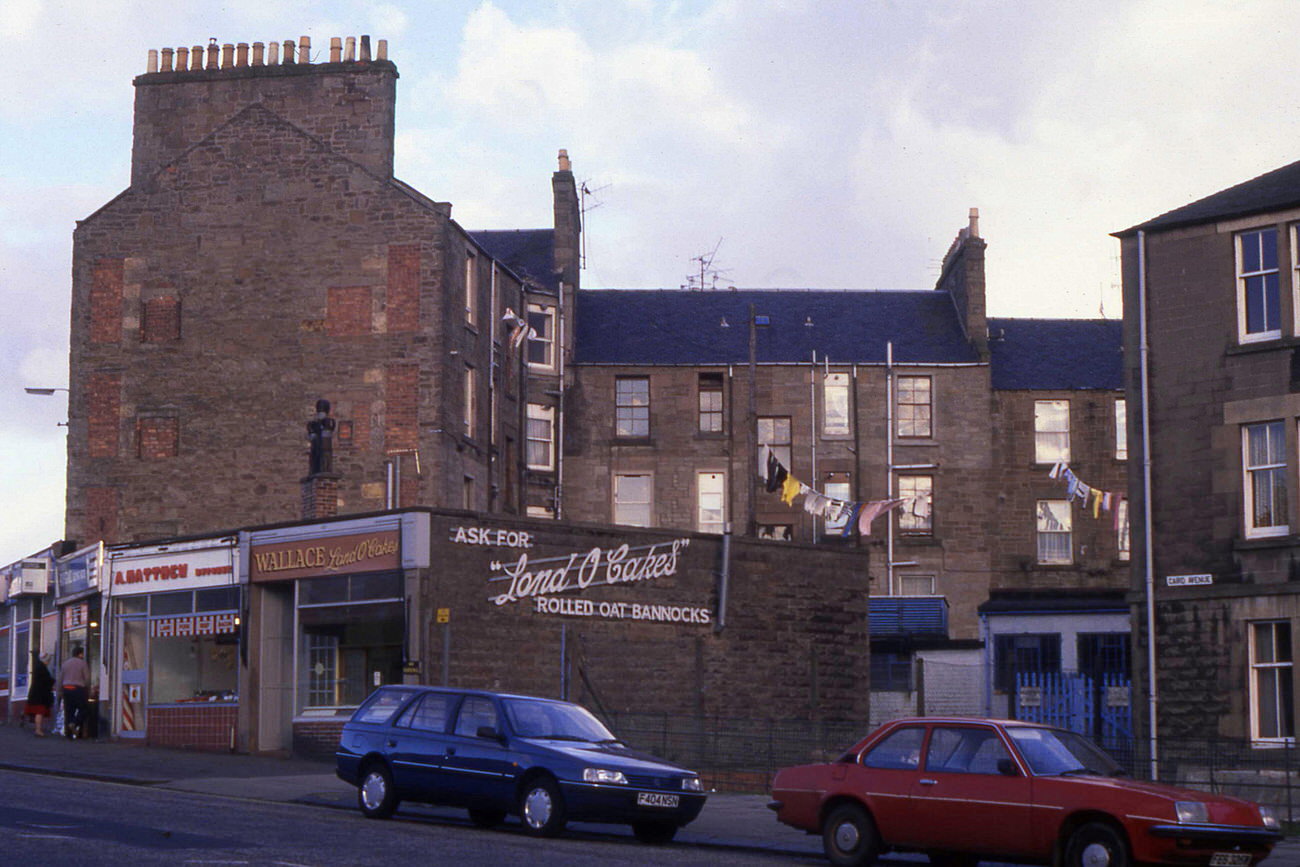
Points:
(214, 54)
(365, 49)
(227, 55)
(259, 53)
(565, 165)
(336, 49)
(153, 60)
(182, 59)
(350, 49)
(196, 57)
(167, 55)
(974, 222)
(304, 49)
(273, 54)
(288, 52)
(241, 54)
(383, 50)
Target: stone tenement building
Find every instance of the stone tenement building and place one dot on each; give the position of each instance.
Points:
(1212, 333)
(264, 257)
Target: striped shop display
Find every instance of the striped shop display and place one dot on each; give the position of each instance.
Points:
(193, 624)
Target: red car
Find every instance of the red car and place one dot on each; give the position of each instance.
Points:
(963, 790)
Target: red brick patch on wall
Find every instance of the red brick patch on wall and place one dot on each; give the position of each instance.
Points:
(403, 287)
(106, 300)
(157, 438)
(401, 408)
(102, 506)
(160, 320)
(105, 401)
(348, 311)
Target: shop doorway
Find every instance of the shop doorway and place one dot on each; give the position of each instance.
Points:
(133, 670)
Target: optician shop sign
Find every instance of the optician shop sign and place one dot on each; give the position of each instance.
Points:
(177, 570)
(335, 555)
(540, 581)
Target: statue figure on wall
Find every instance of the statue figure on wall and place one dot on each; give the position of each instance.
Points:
(320, 433)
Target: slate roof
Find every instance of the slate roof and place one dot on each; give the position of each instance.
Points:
(1056, 354)
(1271, 191)
(530, 253)
(665, 327)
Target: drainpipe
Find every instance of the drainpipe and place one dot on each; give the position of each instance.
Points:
(812, 433)
(558, 346)
(1149, 566)
(889, 465)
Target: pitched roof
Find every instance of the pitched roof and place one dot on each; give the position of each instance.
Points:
(1271, 191)
(660, 327)
(530, 253)
(1056, 354)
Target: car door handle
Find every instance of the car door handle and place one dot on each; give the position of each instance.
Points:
(451, 751)
(926, 782)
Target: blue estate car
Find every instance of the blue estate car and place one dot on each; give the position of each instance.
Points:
(546, 761)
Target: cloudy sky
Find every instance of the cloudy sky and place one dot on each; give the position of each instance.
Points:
(811, 143)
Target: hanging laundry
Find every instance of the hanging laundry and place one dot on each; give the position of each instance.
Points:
(1057, 469)
(776, 474)
(815, 503)
(872, 510)
(790, 488)
(850, 519)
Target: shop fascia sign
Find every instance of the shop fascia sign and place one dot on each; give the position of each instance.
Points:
(77, 574)
(376, 551)
(160, 569)
(542, 580)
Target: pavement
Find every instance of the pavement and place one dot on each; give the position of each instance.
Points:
(731, 821)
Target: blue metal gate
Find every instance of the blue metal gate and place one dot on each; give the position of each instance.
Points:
(1100, 708)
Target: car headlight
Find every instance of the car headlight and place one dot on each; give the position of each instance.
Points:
(1269, 817)
(601, 775)
(692, 784)
(1191, 812)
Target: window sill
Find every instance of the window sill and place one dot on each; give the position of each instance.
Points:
(715, 436)
(1267, 344)
(633, 441)
(1257, 543)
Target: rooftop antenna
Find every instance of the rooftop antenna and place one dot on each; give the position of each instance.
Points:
(707, 278)
(583, 207)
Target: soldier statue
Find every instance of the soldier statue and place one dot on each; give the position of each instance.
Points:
(320, 433)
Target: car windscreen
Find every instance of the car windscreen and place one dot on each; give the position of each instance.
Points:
(381, 705)
(1055, 751)
(555, 720)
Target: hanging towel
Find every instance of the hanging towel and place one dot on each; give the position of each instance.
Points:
(870, 511)
(851, 519)
(790, 488)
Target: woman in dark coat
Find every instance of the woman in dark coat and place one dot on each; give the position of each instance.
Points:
(40, 693)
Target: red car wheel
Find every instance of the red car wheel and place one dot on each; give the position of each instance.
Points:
(849, 837)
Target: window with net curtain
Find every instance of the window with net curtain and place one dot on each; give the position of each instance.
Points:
(1055, 523)
(1051, 431)
(1265, 482)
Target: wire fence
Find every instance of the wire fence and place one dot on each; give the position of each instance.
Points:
(742, 754)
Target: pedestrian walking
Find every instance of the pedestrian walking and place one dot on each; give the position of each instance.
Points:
(74, 678)
(40, 692)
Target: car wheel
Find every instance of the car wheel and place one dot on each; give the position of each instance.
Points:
(376, 795)
(541, 807)
(849, 837)
(486, 818)
(654, 833)
(1097, 845)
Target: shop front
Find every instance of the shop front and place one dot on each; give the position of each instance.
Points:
(175, 648)
(78, 602)
(329, 601)
(28, 623)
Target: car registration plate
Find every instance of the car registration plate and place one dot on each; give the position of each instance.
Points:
(1230, 859)
(654, 799)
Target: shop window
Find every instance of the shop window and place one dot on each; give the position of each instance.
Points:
(710, 403)
(1259, 305)
(541, 337)
(1265, 482)
(914, 407)
(348, 651)
(193, 668)
(1055, 522)
(774, 432)
(835, 404)
(1272, 699)
(1051, 431)
(711, 502)
(632, 406)
(633, 499)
